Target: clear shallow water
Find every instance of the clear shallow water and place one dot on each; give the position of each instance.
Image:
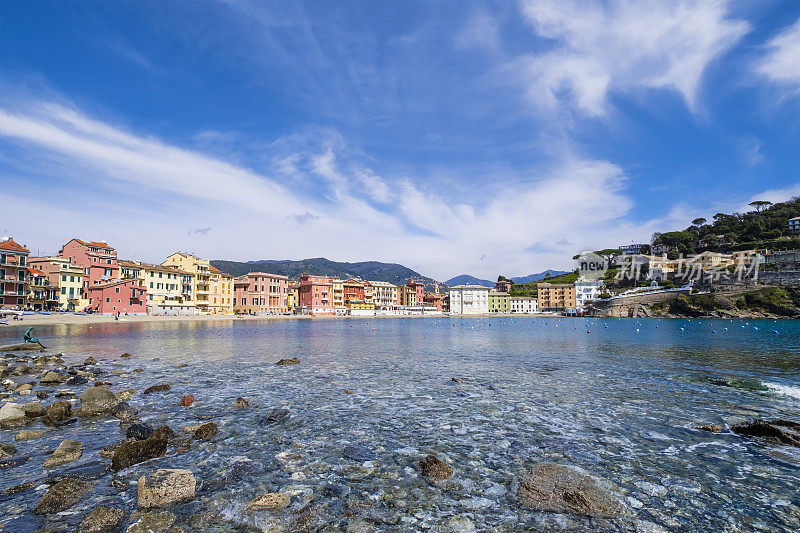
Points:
(617, 402)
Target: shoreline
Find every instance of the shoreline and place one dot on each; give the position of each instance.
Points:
(67, 319)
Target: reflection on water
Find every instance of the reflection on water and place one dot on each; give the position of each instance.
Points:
(619, 398)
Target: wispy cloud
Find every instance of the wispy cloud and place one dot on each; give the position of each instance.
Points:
(624, 46)
(199, 231)
(781, 62)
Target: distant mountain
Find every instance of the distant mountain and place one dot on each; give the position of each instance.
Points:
(537, 277)
(466, 279)
(368, 270)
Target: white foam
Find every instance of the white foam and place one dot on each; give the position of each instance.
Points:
(787, 390)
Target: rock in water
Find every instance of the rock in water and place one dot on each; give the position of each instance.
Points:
(711, 428)
(563, 489)
(165, 487)
(126, 395)
(271, 500)
(140, 431)
(276, 416)
(90, 361)
(7, 450)
(101, 519)
(67, 451)
(434, 468)
(776, 431)
(51, 377)
(207, 431)
(187, 400)
(125, 412)
(11, 413)
(133, 452)
(292, 361)
(95, 400)
(57, 412)
(29, 434)
(157, 388)
(34, 409)
(358, 452)
(63, 495)
(241, 403)
(152, 523)
(77, 380)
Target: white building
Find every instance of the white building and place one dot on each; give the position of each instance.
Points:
(524, 305)
(469, 300)
(586, 290)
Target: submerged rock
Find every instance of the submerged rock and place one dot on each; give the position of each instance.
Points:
(51, 377)
(125, 412)
(63, 495)
(7, 450)
(292, 361)
(157, 388)
(57, 412)
(101, 519)
(776, 431)
(711, 428)
(152, 522)
(241, 403)
(276, 416)
(29, 434)
(77, 380)
(271, 500)
(140, 431)
(126, 395)
(90, 361)
(11, 413)
(133, 452)
(67, 451)
(434, 468)
(165, 487)
(34, 410)
(358, 453)
(564, 489)
(206, 431)
(96, 400)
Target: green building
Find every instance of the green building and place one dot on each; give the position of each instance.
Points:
(498, 302)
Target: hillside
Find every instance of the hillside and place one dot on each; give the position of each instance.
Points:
(764, 227)
(536, 277)
(529, 289)
(466, 279)
(369, 270)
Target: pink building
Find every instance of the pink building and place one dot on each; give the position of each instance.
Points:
(315, 295)
(97, 259)
(13, 273)
(418, 288)
(261, 293)
(123, 296)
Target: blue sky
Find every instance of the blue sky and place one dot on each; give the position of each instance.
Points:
(451, 137)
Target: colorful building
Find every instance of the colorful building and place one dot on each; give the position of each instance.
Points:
(384, 295)
(498, 302)
(97, 259)
(201, 276)
(338, 296)
(469, 300)
(123, 296)
(41, 296)
(435, 299)
(523, 305)
(357, 296)
(292, 296)
(408, 296)
(418, 290)
(65, 278)
(168, 288)
(586, 290)
(315, 295)
(556, 298)
(261, 293)
(13, 273)
(220, 292)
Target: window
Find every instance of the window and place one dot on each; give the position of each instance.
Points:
(108, 300)
(63, 290)
(116, 289)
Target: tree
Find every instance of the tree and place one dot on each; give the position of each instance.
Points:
(760, 205)
(609, 253)
(699, 221)
(646, 249)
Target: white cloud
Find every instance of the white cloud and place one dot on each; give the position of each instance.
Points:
(147, 195)
(624, 46)
(781, 64)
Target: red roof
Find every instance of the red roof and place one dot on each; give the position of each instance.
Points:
(36, 272)
(95, 244)
(10, 244)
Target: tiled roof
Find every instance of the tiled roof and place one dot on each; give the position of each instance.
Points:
(10, 244)
(95, 244)
(35, 272)
(151, 266)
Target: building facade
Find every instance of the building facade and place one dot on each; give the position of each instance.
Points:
(97, 259)
(13, 273)
(261, 293)
(523, 305)
(315, 295)
(200, 269)
(469, 300)
(793, 226)
(122, 296)
(556, 298)
(586, 291)
(65, 278)
(168, 288)
(499, 302)
(41, 296)
(384, 295)
(220, 292)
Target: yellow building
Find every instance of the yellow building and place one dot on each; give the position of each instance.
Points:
(169, 289)
(292, 296)
(384, 295)
(201, 272)
(220, 293)
(65, 277)
(408, 296)
(556, 297)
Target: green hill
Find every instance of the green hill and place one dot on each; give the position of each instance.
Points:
(529, 289)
